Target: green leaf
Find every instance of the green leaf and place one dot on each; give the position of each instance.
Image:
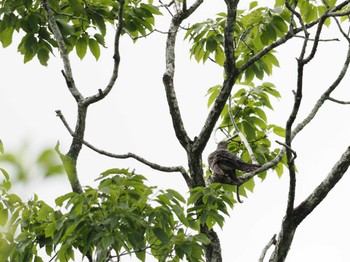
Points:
(99, 21)
(211, 44)
(161, 235)
(44, 211)
(141, 255)
(213, 91)
(3, 215)
(65, 28)
(1, 147)
(100, 39)
(252, 5)
(249, 130)
(153, 9)
(219, 56)
(6, 36)
(43, 56)
(94, 48)
(59, 200)
(176, 195)
(81, 47)
(203, 239)
(279, 131)
(4, 172)
(77, 7)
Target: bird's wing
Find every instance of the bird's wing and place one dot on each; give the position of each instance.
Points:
(213, 164)
(227, 159)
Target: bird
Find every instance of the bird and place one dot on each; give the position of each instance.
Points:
(223, 163)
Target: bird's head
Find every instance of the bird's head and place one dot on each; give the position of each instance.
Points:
(223, 144)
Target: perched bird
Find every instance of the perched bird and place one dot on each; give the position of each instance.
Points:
(223, 163)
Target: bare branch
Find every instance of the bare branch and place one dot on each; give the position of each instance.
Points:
(338, 101)
(288, 148)
(264, 167)
(241, 136)
(168, 76)
(312, 201)
(320, 40)
(231, 75)
(70, 159)
(269, 244)
(130, 155)
(103, 93)
(324, 96)
(67, 73)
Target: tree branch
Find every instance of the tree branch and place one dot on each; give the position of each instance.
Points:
(103, 93)
(263, 252)
(315, 198)
(231, 75)
(241, 136)
(70, 159)
(130, 155)
(338, 101)
(67, 73)
(324, 96)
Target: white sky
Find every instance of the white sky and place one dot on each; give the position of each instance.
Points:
(135, 118)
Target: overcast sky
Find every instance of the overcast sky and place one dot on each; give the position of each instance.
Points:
(134, 118)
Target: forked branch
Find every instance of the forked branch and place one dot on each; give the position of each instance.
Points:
(142, 160)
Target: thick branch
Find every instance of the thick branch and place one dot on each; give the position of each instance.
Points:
(231, 75)
(324, 96)
(103, 93)
(315, 198)
(67, 73)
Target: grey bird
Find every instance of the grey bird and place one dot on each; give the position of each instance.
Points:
(223, 163)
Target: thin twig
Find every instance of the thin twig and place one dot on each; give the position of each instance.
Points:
(338, 101)
(288, 148)
(103, 93)
(240, 134)
(320, 40)
(152, 165)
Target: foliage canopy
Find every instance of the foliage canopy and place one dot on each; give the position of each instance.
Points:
(122, 215)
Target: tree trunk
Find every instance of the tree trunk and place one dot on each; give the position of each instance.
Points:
(213, 250)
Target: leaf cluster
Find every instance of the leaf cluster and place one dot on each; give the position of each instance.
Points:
(121, 216)
(83, 24)
(47, 163)
(254, 29)
(210, 204)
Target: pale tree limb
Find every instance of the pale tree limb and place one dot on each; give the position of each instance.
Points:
(240, 134)
(315, 198)
(168, 76)
(293, 216)
(286, 234)
(268, 245)
(116, 57)
(67, 73)
(231, 75)
(70, 159)
(152, 165)
(327, 93)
